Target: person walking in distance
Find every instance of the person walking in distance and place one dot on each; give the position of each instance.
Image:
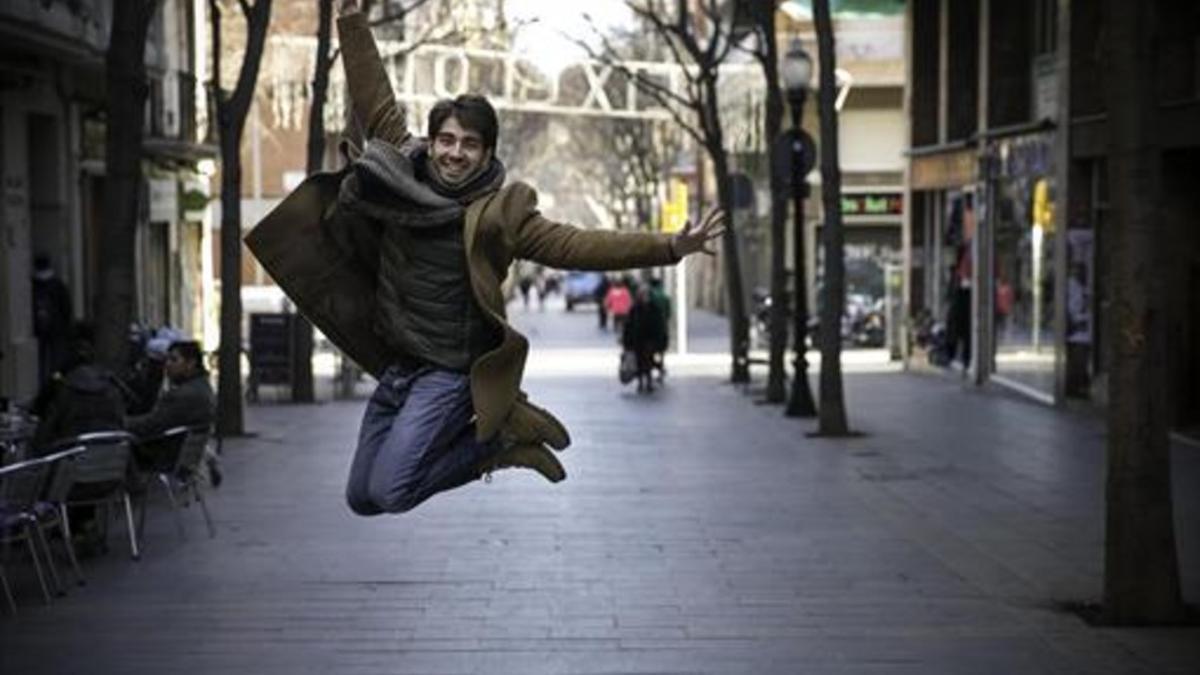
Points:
(599, 295)
(618, 302)
(645, 332)
(400, 259)
(662, 302)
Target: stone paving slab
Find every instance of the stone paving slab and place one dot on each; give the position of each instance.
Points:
(697, 533)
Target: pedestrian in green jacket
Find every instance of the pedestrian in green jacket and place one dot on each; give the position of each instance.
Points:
(399, 260)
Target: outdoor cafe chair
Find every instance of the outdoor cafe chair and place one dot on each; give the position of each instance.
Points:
(98, 476)
(21, 484)
(174, 458)
(51, 509)
(12, 604)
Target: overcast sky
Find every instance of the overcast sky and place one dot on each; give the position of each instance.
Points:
(548, 41)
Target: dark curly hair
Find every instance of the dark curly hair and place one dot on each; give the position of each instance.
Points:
(472, 111)
(189, 350)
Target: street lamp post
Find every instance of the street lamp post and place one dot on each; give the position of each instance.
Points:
(796, 70)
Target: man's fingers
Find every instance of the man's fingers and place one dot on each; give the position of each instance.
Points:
(715, 227)
(710, 227)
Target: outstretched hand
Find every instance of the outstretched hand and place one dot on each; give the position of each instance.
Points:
(695, 238)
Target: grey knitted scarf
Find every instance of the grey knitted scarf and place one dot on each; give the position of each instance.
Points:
(397, 185)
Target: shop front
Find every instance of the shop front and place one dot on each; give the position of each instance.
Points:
(939, 230)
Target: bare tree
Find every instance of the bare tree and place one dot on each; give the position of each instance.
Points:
(127, 89)
(1141, 565)
(302, 371)
(232, 109)
(766, 52)
(832, 410)
(699, 41)
(831, 413)
(625, 161)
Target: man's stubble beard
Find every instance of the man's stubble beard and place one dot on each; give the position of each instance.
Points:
(466, 178)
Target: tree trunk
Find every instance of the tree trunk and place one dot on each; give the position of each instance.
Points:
(302, 371)
(229, 354)
(231, 119)
(1141, 567)
(831, 414)
(125, 75)
(773, 125)
(739, 326)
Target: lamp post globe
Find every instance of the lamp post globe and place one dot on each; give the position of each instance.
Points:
(796, 72)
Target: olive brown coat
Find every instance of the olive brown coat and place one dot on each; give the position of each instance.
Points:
(329, 268)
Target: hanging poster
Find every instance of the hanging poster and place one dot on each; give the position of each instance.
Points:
(1080, 272)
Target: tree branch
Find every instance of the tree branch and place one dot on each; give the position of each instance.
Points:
(401, 14)
(256, 32)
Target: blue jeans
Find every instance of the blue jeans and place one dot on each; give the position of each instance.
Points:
(417, 439)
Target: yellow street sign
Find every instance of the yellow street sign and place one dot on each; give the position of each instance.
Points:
(674, 210)
(1043, 206)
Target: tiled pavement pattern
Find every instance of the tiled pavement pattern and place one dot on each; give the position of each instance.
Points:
(697, 533)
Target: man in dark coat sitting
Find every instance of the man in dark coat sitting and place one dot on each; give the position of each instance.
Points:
(82, 397)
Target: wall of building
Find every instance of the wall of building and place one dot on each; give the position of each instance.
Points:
(50, 59)
(52, 80)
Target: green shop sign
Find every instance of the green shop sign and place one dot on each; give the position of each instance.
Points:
(873, 204)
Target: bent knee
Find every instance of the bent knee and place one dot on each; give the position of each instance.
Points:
(362, 505)
(392, 500)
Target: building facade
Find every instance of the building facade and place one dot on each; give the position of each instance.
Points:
(52, 131)
(1007, 193)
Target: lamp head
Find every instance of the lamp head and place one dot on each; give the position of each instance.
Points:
(796, 69)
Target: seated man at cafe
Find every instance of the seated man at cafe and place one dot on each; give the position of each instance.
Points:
(80, 397)
(187, 402)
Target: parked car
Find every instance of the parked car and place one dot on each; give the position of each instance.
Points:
(580, 287)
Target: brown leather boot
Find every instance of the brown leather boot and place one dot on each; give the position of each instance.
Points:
(528, 423)
(526, 456)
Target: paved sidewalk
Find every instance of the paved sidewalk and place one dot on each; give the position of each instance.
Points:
(698, 532)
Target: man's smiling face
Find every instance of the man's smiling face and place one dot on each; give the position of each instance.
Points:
(457, 153)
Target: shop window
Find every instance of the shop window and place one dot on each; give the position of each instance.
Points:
(1178, 39)
(156, 308)
(1010, 62)
(1087, 69)
(48, 227)
(1024, 283)
(1045, 26)
(916, 297)
(925, 47)
(962, 90)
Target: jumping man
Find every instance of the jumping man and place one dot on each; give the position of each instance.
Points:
(399, 260)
